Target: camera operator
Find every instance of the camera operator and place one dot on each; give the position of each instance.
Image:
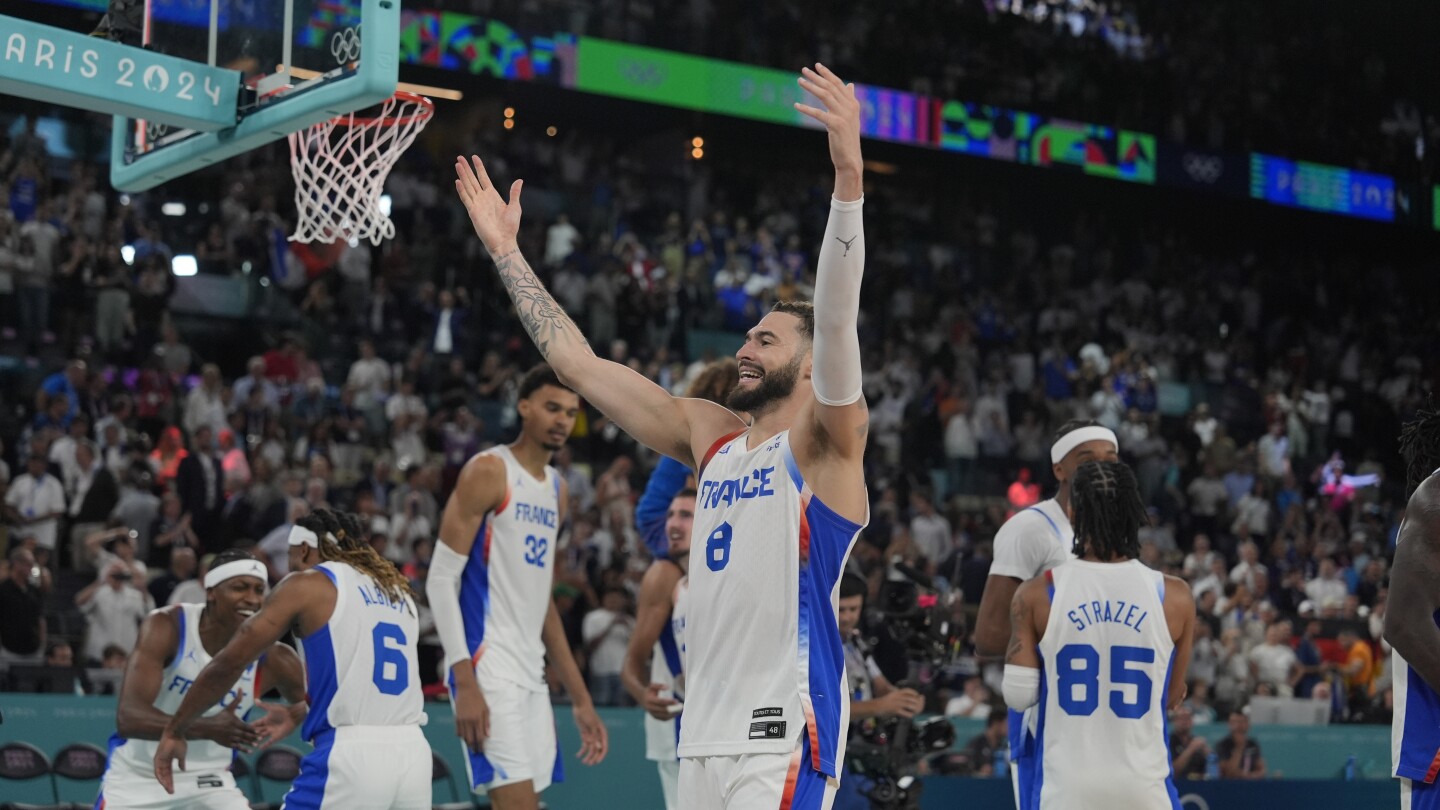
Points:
(871, 694)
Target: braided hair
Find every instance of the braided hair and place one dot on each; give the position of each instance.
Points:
(1108, 512)
(343, 539)
(1420, 444)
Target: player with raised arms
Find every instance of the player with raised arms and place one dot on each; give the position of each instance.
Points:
(781, 499)
(358, 626)
(490, 586)
(175, 643)
(1100, 647)
(659, 638)
(1411, 618)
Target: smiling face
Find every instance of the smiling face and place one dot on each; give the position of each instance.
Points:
(548, 416)
(237, 599)
(772, 360)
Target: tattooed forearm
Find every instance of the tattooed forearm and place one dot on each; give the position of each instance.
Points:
(546, 323)
(1017, 618)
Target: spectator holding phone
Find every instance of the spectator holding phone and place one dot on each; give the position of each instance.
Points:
(114, 606)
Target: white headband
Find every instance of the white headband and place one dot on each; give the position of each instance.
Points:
(1075, 438)
(237, 568)
(301, 536)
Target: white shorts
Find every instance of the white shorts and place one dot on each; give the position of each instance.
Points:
(208, 790)
(364, 768)
(521, 746)
(756, 782)
(670, 782)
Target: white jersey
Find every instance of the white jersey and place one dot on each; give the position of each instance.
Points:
(137, 757)
(1105, 674)
(667, 665)
(361, 667)
(1033, 541)
(763, 658)
(505, 588)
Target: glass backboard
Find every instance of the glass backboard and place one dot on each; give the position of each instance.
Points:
(300, 61)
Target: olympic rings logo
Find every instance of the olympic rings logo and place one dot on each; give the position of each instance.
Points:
(345, 46)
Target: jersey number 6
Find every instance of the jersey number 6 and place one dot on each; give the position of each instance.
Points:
(390, 652)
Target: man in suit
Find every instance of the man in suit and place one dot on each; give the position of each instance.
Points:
(200, 482)
(92, 493)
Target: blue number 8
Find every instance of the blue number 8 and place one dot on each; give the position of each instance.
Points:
(717, 548)
(1087, 679)
(390, 656)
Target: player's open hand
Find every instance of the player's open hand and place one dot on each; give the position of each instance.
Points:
(472, 718)
(594, 739)
(496, 222)
(658, 707)
(170, 750)
(227, 728)
(840, 115)
(277, 724)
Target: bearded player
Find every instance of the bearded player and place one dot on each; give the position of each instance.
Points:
(781, 498)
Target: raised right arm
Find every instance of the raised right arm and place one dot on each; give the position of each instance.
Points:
(1409, 623)
(672, 426)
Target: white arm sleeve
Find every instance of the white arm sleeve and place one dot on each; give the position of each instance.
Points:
(836, 374)
(442, 586)
(1021, 687)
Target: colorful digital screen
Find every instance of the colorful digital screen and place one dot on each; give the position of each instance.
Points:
(1317, 187)
(482, 46)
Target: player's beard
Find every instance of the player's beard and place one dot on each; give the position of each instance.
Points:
(773, 386)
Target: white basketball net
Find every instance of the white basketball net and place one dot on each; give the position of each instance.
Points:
(340, 168)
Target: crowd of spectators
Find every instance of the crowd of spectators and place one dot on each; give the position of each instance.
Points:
(1316, 82)
(1255, 388)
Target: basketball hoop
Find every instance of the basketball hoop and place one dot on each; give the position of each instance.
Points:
(340, 168)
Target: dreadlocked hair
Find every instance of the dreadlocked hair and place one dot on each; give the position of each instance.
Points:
(1420, 444)
(1108, 512)
(343, 539)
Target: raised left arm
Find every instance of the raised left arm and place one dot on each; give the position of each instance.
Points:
(839, 418)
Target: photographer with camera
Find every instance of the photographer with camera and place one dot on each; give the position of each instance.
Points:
(871, 694)
(114, 605)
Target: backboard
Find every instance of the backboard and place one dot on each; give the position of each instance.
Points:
(301, 62)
